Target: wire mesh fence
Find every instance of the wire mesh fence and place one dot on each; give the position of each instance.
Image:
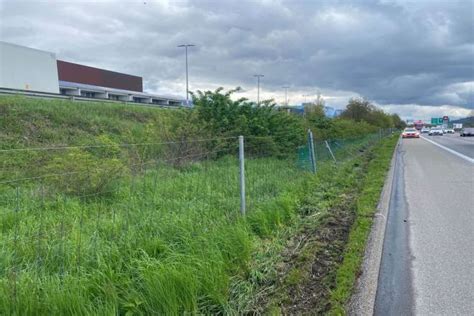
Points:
(66, 211)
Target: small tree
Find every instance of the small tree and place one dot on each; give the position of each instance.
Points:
(222, 116)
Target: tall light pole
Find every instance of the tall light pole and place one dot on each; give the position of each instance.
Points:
(286, 94)
(258, 87)
(187, 89)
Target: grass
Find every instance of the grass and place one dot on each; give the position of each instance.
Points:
(367, 201)
(132, 230)
(168, 242)
(284, 263)
(297, 273)
(148, 250)
(26, 122)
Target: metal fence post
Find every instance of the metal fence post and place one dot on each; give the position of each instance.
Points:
(330, 151)
(311, 151)
(242, 175)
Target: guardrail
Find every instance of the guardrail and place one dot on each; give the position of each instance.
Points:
(47, 95)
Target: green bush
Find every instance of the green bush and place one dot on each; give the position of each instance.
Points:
(221, 115)
(78, 172)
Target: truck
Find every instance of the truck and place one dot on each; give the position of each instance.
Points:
(457, 126)
(418, 125)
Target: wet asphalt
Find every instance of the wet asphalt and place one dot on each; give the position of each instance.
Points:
(427, 263)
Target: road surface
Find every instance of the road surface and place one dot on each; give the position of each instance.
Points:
(427, 263)
(462, 145)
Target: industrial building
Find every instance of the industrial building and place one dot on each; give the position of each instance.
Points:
(28, 69)
(24, 69)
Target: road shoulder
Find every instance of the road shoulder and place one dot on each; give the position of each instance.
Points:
(363, 300)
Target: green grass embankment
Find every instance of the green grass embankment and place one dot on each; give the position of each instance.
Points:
(162, 239)
(317, 261)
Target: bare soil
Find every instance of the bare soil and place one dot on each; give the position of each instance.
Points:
(321, 250)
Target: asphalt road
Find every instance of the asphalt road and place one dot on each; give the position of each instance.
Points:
(463, 145)
(427, 263)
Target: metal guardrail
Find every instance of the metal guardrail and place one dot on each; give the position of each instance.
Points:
(47, 95)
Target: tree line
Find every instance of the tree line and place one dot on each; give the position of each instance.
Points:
(217, 113)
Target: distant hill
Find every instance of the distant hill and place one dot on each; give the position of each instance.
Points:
(467, 121)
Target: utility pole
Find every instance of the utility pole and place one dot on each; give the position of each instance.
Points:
(286, 94)
(258, 87)
(187, 86)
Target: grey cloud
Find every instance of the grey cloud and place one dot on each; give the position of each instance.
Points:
(393, 52)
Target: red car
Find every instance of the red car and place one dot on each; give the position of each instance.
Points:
(410, 133)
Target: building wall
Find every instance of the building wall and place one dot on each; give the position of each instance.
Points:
(98, 77)
(27, 69)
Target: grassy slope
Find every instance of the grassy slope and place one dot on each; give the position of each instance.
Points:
(104, 258)
(166, 240)
(316, 265)
(286, 266)
(145, 249)
(32, 122)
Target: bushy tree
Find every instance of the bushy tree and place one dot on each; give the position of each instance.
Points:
(397, 121)
(222, 116)
(361, 110)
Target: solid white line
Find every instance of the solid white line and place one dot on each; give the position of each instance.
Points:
(450, 150)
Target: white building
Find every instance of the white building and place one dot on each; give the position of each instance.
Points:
(26, 68)
(38, 73)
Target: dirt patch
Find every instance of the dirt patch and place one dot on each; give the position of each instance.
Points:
(308, 274)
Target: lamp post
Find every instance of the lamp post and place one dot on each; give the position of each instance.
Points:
(258, 87)
(286, 94)
(187, 89)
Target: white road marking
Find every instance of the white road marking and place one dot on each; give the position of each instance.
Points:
(450, 150)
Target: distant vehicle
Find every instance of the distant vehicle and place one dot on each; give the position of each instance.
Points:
(436, 131)
(425, 130)
(449, 131)
(418, 125)
(410, 132)
(467, 131)
(457, 126)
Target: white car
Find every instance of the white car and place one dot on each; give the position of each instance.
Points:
(449, 131)
(425, 130)
(410, 133)
(436, 131)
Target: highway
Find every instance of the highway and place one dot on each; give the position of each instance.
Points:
(427, 263)
(462, 145)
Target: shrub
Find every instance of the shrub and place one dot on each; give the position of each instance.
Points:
(78, 172)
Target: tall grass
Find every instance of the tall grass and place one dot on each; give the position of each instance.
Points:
(133, 229)
(165, 242)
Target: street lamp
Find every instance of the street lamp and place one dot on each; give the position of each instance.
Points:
(187, 90)
(258, 87)
(286, 94)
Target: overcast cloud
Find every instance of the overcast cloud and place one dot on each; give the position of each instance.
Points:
(413, 57)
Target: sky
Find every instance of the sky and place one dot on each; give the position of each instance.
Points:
(411, 57)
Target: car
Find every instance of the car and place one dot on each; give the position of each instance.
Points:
(425, 130)
(410, 132)
(449, 131)
(467, 131)
(436, 131)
